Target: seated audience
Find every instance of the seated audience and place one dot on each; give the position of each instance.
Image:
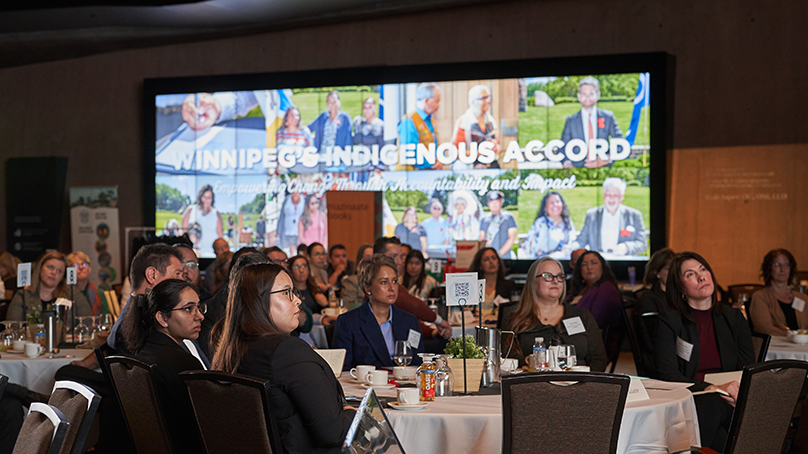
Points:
(47, 284)
(351, 293)
(653, 298)
(81, 262)
(701, 336)
(595, 289)
(369, 333)
(776, 308)
(276, 255)
(310, 294)
(318, 259)
(488, 265)
(338, 266)
(8, 271)
(190, 269)
(221, 269)
(416, 281)
(154, 330)
(542, 312)
(310, 408)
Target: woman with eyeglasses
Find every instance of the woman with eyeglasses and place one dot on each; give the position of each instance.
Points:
(310, 293)
(307, 400)
(81, 262)
(47, 284)
(777, 308)
(159, 329)
(594, 288)
(369, 332)
(542, 313)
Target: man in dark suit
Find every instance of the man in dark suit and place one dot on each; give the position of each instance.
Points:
(590, 123)
(613, 228)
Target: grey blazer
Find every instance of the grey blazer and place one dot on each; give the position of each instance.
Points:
(632, 230)
(574, 129)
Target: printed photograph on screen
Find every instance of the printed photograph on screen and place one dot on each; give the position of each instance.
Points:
(533, 166)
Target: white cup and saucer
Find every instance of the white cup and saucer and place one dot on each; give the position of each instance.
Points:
(409, 399)
(377, 379)
(359, 373)
(404, 373)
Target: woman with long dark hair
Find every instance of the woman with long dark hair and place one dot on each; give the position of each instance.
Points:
(653, 298)
(551, 230)
(313, 225)
(594, 288)
(262, 310)
(310, 293)
(416, 281)
(489, 266)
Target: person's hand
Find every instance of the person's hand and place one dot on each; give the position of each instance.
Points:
(326, 320)
(621, 249)
(731, 388)
(90, 362)
(437, 166)
(568, 165)
(340, 268)
(323, 287)
(203, 115)
(596, 163)
(444, 329)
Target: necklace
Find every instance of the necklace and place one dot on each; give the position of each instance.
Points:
(545, 318)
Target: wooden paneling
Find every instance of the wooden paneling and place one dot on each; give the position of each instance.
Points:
(350, 219)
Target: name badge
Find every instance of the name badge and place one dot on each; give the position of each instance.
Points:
(414, 338)
(574, 325)
(798, 304)
(683, 349)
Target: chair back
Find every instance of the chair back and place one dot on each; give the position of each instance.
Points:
(505, 314)
(629, 311)
(766, 400)
(537, 416)
(42, 432)
(4, 303)
(735, 291)
(3, 382)
(761, 343)
(79, 404)
(233, 410)
(135, 386)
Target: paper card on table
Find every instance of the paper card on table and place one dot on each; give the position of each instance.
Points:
(23, 274)
(70, 275)
(500, 300)
(64, 302)
(481, 290)
(461, 289)
(798, 304)
(650, 383)
(414, 338)
(334, 357)
(683, 349)
(720, 378)
(434, 266)
(574, 325)
(636, 391)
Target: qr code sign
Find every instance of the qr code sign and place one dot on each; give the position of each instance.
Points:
(462, 290)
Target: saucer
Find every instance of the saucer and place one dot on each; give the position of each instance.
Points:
(408, 407)
(379, 387)
(15, 352)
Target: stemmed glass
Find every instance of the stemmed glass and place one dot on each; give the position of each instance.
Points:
(402, 355)
(82, 332)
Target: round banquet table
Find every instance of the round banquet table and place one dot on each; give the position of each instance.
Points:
(781, 348)
(665, 423)
(37, 374)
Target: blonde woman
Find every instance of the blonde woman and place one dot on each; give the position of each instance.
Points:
(47, 284)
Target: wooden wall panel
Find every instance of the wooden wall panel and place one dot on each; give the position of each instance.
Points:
(350, 219)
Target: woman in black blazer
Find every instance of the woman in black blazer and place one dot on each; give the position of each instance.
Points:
(488, 265)
(309, 406)
(698, 337)
(155, 329)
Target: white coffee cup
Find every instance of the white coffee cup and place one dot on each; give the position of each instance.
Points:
(33, 349)
(404, 372)
(579, 368)
(360, 372)
(19, 345)
(376, 377)
(408, 396)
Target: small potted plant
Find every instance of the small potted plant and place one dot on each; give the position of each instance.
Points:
(475, 360)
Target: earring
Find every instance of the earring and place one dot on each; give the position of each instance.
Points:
(684, 297)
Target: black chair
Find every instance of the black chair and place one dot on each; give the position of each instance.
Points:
(505, 313)
(534, 406)
(329, 333)
(4, 303)
(134, 383)
(79, 404)
(233, 410)
(761, 343)
(629, 320)
(3, 382)
(42, 432)
(766, 400)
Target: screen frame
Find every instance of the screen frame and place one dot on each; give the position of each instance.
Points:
(661, 65)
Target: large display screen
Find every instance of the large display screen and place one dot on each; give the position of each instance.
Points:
(537, 164)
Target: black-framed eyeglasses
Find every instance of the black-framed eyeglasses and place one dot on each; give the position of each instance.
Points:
(191, 265)
(549, 277)
(192, 309)
(290, 292)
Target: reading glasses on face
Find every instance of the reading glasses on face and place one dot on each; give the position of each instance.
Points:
(300, 267)
(290, 293)
(191, 265)
(192, 309)
(549, 277)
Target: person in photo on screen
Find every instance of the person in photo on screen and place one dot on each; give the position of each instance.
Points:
(260, 231)
(436, 226)
(293, 135)
(48, 282)
(292, 210)
(333, 126)
(203, 110)
(409, 231)
(417, 125)
(613, 228)
(464, 222)
(262, 311)
(313, 224)
(498, 228)
(205, 214)
(591, 122)
(368, 129)
(552, 230)
(416, 281)
(776, 308)
(476, 125)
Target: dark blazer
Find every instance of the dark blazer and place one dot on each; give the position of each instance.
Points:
(632, 230)
(731, 334)
(306, 398)
(574, 129)
(171, 359)
(358, 332)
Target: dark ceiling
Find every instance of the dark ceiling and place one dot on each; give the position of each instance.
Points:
(39, 31)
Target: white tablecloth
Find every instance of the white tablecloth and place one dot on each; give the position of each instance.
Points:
(781, 348)
(37, 374)
(473, 424)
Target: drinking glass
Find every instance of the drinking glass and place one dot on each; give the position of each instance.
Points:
(561, 358)
(572, 357)
(402, 355)
(82, 333)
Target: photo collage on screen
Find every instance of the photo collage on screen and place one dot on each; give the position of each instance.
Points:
(535, 166)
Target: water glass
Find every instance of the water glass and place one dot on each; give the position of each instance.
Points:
(402, 355)
(572, 357)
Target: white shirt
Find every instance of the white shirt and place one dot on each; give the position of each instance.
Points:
(193, 350)
(292, 215)
(586, 120)
(609, 230)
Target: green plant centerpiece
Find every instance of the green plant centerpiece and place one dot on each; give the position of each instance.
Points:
(473, 364)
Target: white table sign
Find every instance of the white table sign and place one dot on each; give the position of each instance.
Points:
(23, 274)
(461, 289)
